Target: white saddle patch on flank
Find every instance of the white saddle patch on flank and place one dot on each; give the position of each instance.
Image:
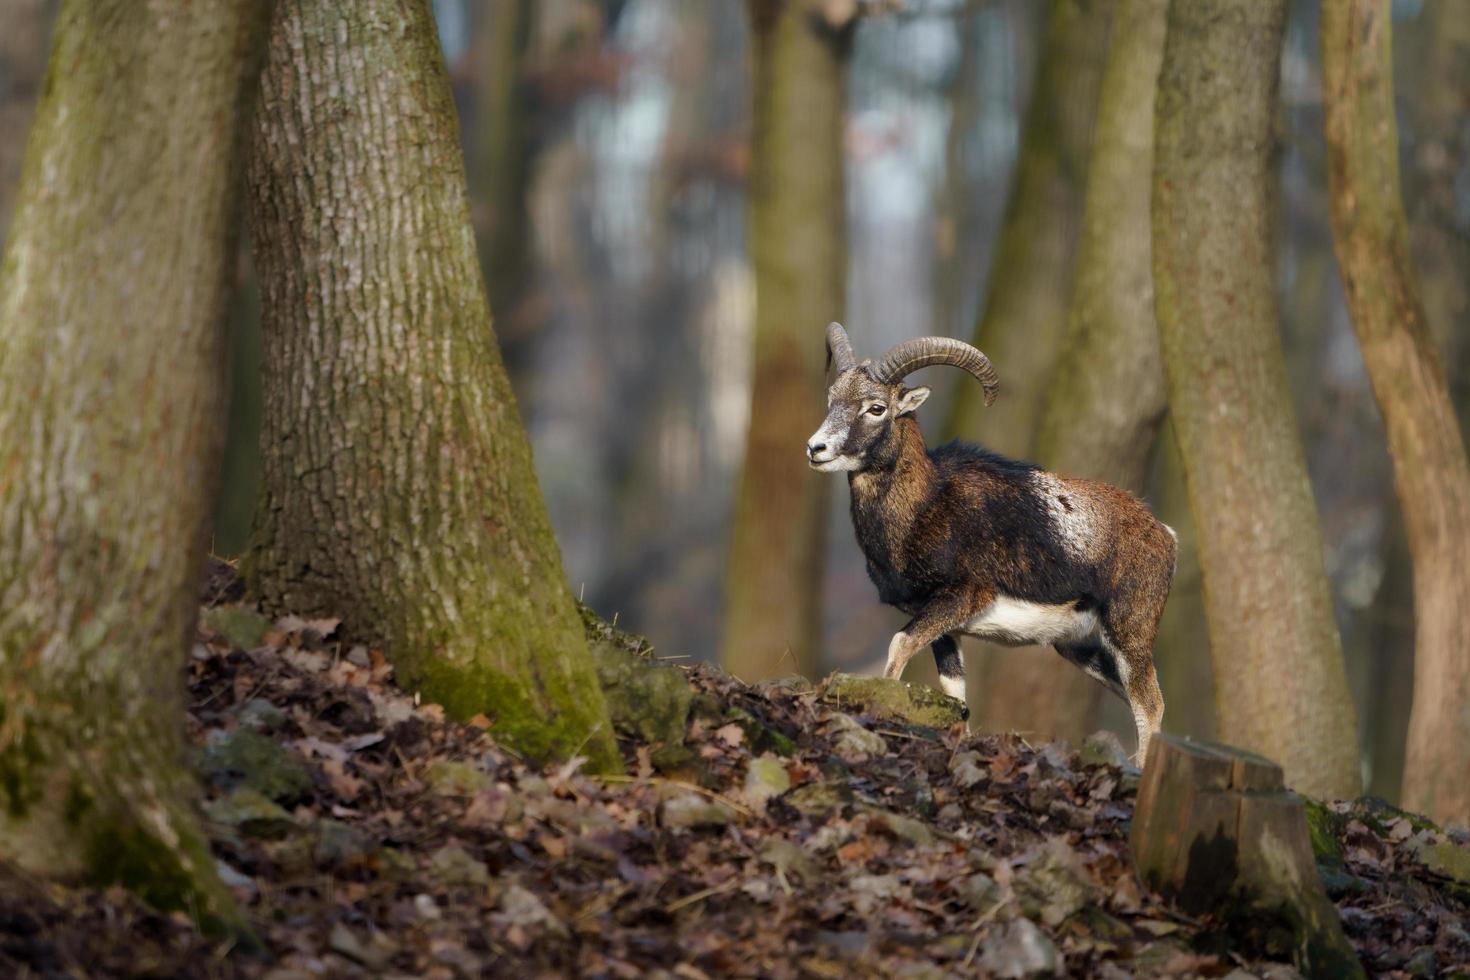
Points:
(1071, 515)
(1017, 622)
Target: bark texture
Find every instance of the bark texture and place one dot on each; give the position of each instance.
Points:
(1025, 310)
(1431, 474)
(398, 489)
(1105, 403)
(797, 235)
(1280, 685)
(112, 301)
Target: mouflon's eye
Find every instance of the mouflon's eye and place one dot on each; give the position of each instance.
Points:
(877, 410)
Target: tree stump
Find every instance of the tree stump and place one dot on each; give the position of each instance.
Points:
(1216, 831)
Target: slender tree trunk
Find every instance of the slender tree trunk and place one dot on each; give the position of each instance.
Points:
(1438, 73)
(956, 207)
(1280, 685)
(112, 304)
(1105, 402)
(503, 147)
(1025, 310)
(1431, 474)
(398, 488)
(797, 236)
(1391, 635)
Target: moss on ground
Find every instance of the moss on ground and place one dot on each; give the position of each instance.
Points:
(878, 696)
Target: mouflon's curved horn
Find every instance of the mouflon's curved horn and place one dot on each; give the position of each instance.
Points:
(908, 356)
(839, 348)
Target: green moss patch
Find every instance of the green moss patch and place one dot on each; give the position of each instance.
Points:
(882, 698)
(646, 701)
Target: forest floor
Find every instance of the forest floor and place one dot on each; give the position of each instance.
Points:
(792, 834)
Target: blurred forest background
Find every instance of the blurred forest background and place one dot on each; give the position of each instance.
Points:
(609, 153)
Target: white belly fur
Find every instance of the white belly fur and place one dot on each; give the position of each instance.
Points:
(1016, 622)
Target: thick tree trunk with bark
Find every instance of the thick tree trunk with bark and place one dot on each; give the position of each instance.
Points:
(1105, 402)
(112, 306)
(1280, 685)
(797, 234)
(1431, 473)
(398, 487)
(1025, 310)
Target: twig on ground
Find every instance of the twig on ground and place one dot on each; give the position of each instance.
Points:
(701, 895)
(719, 797)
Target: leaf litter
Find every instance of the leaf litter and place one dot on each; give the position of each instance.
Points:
(789, 836)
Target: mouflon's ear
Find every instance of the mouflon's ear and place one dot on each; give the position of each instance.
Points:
(910, 400)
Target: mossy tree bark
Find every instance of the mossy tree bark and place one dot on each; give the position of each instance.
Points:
(398, 489)
(1106, 399)
(1025, 310)
(1431, 473)
(1280, 685)
(112, 308)
(797, 235)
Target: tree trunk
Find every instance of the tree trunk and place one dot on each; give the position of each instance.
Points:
(1280, 685)
(1431, 474)
(504, 154)
(112, 302)
(797, 242)
(1438, 78)
(1391, 637)
(1024, 313)
(397, 488)
(1106, 400)
(1030, 281)
(956, 207)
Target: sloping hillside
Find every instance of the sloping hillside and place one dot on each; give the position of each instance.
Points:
(854, 829)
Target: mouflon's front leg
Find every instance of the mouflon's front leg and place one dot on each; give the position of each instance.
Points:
(944, 613)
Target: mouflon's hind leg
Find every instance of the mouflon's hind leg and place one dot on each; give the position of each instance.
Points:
(1145, 700)
(1129, 676)
(1132, 652)
(1129, 625)
(951, 663)
(1098, 660)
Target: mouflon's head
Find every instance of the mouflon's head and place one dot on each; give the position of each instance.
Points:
(865, 398)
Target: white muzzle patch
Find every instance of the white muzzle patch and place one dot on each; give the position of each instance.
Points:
(821, 452)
